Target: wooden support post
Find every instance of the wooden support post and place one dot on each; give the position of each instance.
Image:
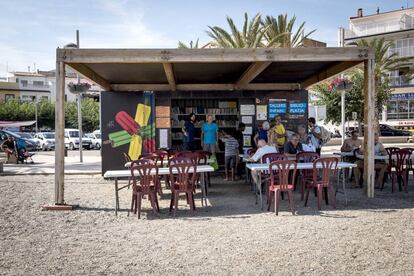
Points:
(369, 130)
(169, 73)
(59, 134)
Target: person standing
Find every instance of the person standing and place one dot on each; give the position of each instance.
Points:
(231, 154)
(189, 132)
(315, 134)
(239, 136)
(303, 135)
(9, 147)
(209, 135)
(277, 134)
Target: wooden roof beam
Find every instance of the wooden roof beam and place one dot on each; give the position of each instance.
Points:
(169, 73)
(329, 72)
(212, 55)
(251, 73)
(90, 75)
(204, 87)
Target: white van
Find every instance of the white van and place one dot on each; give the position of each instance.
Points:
(72, 140)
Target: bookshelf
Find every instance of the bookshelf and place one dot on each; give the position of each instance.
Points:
(225, 112)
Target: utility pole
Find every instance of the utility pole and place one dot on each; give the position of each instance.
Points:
(79, 98)
(35, 104)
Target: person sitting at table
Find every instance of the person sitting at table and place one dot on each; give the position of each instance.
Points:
(303, 135)
(308, 146)
(293, 147)
(352, 143)
(380, 165)
(263, 148)
(262, 132)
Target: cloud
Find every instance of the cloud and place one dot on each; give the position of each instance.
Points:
(109, 24)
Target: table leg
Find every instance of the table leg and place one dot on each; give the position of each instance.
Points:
(259, 186)
(203, 185)
(116, 197)
(344, 188)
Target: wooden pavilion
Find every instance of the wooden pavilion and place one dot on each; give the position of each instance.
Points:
(212, 70)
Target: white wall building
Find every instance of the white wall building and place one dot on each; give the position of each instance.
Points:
(398, 27)
(42, 84)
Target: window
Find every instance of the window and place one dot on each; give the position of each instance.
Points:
(8, 97)
(38, 83)
(24, 83)
(44, 98)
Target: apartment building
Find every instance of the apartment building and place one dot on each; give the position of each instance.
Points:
(398, 27)
(41, 85)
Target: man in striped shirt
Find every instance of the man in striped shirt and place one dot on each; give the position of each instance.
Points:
(231, 153)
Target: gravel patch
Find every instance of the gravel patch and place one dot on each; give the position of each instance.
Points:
(230, 236)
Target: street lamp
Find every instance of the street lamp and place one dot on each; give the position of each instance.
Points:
(79, 100)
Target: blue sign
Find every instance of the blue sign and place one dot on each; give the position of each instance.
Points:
(297, 108)
(402, 96)
(277, 108)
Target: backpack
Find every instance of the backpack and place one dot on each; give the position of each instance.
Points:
(325, 135)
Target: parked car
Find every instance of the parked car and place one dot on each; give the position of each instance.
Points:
(387, 130)
(72, 140)
(45, 140)
(27, 135)
(20, 141)
(96, 139)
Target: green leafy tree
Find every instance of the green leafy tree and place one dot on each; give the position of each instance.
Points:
(280, 32)
(250, 36)
(385, 62)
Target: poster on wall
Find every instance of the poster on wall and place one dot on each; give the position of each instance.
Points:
(128, 127)
(277, 107)
(248, 130)
(247, 120)
(261, 112)
(247, 109)
(163, 138)
(247, 141)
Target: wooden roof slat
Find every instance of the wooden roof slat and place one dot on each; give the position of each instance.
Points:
(88, 73)
(252, 72)
(169, 73)
(329, 72)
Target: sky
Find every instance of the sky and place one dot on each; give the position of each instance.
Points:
(32, 30)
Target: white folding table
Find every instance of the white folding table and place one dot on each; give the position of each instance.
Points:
(119, 174)
(300, 166)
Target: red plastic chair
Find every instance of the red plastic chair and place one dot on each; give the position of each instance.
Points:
(182, 181)
(171, 153)
(251, 152)
(390, 151)
(163, 155)
(399, 158)
(281, 182)
(324, 171)
(305, 157)
(144, 182)
(267, 159)
(409, 165)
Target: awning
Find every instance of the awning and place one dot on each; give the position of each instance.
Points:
(16, 123)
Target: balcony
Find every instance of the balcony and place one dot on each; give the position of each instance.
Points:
(396, 81)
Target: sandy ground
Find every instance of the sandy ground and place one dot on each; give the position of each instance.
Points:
(231, 236)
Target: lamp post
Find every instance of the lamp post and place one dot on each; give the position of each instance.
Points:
(34, 99)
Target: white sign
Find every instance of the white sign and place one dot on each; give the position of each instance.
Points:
(163, 138)
(247, 109)
(248, 130)
(247, 120)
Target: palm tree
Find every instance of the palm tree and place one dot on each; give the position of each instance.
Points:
(192, 45)
(279, 32)
(251, 36)
(386, 62)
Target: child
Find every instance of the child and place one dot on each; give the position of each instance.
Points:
(231, 153)
(308, 146)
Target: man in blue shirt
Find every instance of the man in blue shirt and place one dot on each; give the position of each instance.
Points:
(209, 135)
(188, 132)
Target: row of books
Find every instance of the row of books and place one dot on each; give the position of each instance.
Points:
(205, 111)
